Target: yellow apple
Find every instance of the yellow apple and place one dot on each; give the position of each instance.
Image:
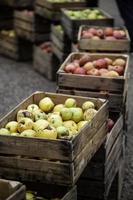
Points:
(89, 114)
(70, 102)
(88, 104)
(41, 124)
(4, 131)
(46, 104)
(58, 108)
(48, 133)
(25, 124)
(23, 114)
(81, 124)
(32, 108)
(28, 133)
(12, 126)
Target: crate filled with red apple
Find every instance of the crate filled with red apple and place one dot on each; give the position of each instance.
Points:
(51, 9)
(103, 39)
(66, 129)
(13, 47)
(61, 44)
(97, 179)
(97, 75)
(30, 26)
(45, 62)
(73, 18)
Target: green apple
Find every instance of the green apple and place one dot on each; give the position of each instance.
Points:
(39, 114)
(15, 134)
(88, 104)
(89, 114)
(71, 125)
(4, 131)
(58, 108)
(81, 124)
(28, 133)
(46, 104)
(70, 102)
(30, 196)
(66, 114)
(48, 133)
(40, 125)
(77, 114)
(24, 114)
(62, 131)
(55, 120)
(32, 108)
(12, 126)
(25, 124)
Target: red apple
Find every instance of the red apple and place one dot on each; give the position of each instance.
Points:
(101, 63)
(93, 31)
(110, 124)
(69, 68)
(87, 35)
(109, 61)
(79, 70)
(119, 69)
(108, 31)
(100, 33)
(123, 33)
(117, 34)
(93, 72)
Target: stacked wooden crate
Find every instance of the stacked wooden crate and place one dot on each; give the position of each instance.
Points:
(112, 152)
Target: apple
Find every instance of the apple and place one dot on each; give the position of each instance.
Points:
(71, 125)
(62, 131)
(102, 71)
(25, 124)
(123, 34)
(46, 104)
(58, 108)
(118, 69)
(28, 133)
(96, 38)
(24, 113)
(4, 131)
(81, 124)
(30, 195)
(111, 74)
(33, 107)
(84, 59)
(77, 114)
(39, 114)
(79, 70)
(119, 62)
(66, 114)
(87, 35)
(15, 134)
(93, 31)
(108, 31)
(70, 102)
(12, 126)
(100, 33)
(101, 63)
(110, 124)
(89, 114)
(48, 133)
(117, 34)
(87, 104)
(88, 66)
(69, 68)
(40, 125)
(109, 61)
(93, 72)
(55, 120)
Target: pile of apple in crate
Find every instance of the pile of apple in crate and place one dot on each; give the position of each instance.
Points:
(71, 144)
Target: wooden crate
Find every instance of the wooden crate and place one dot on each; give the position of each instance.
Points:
(18, 3)
(34, 28)
(18, 157)
(97, 178)
(71, 26)
(113, 89)
(52, 10)
(15, 48)
(52, 191)
(11, 190)
(46, 64)
(103, 45)
(92, 3)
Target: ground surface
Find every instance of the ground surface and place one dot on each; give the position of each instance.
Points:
(18, 80)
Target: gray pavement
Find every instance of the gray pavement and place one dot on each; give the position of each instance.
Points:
(18, 80)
